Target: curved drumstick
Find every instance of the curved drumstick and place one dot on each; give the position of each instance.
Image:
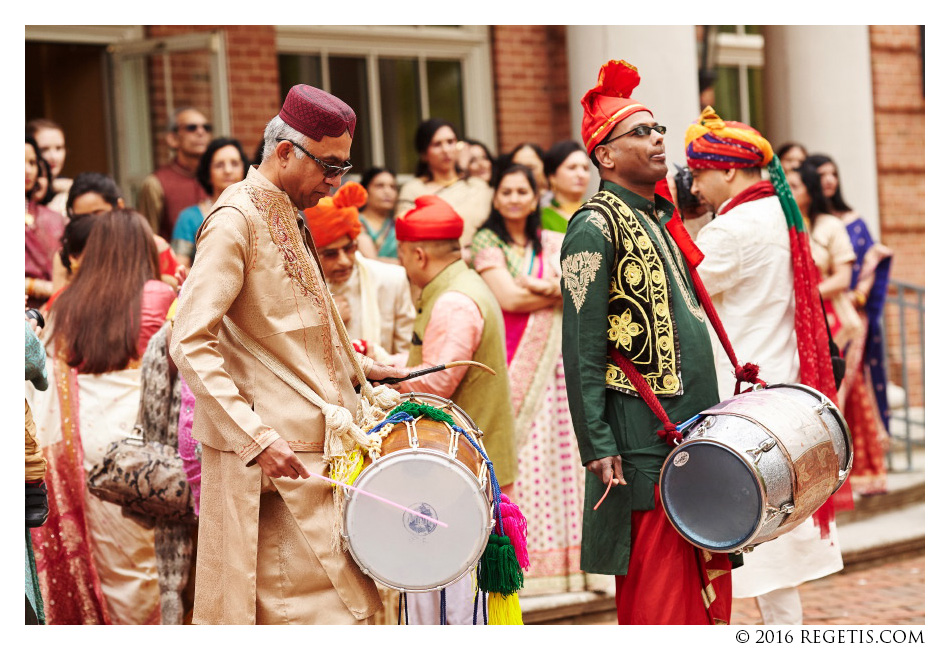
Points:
(379, 498)
(426, 371)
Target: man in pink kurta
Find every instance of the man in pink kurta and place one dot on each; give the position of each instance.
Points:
(265, 552)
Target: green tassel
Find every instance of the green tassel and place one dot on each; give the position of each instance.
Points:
(500, 571)
(415, 409)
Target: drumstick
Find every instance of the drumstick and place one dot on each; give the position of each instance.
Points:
(379, 498)
(426, 371)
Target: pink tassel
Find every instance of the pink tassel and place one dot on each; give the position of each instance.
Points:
(516, 528)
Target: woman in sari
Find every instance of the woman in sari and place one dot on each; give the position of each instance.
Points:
(43, 229)
(437, 173)
(378, 239)
(567, 168)
(863, 393)
(94, 564)
(520, 263)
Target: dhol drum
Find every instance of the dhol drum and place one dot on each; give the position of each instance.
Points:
(429, 467)
(755, 466)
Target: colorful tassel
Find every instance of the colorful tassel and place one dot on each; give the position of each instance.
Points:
(504, 610)
(515, 524)
(501, 572)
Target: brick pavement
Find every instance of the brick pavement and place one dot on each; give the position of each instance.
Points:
(887, 594)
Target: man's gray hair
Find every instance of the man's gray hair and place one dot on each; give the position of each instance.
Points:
(276, 130)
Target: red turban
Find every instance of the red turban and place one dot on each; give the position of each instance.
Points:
(609, 102)
(337, 215)
(317, 113)
(431, 219)
(713, 143)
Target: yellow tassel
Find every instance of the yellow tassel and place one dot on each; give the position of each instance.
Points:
(504, 610)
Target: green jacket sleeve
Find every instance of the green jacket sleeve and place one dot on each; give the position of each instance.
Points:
(587, 256)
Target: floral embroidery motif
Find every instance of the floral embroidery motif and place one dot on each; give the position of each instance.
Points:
(598, 220)
(623, 330)
(579, 270)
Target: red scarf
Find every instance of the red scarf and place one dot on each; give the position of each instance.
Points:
(760, 190)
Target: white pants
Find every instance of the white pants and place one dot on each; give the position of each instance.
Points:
(781, 607)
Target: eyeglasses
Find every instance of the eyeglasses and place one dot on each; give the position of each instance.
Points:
(639, 131)
(193, 128)
(333, 253)
(329, 171)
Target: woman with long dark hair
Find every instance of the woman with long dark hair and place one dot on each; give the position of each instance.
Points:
(863, 392)
(520, 263)
(43, 230)
(437, 173)
(95, 565)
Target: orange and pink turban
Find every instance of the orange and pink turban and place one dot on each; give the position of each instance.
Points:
(337, 215)
(713, 143)
(609, 102)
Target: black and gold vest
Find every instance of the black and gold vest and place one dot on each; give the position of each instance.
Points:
(642, 325)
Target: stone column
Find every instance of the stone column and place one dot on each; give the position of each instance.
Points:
(818, 92)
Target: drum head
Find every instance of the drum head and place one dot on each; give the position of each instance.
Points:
(406, 552)
(711, 495)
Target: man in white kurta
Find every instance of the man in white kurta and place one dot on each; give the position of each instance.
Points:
(747, 271)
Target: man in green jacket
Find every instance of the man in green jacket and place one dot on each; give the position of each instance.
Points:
(627, 288)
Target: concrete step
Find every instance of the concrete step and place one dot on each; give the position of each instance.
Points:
(887, 535)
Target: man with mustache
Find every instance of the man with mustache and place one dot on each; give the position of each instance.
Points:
(630, 310)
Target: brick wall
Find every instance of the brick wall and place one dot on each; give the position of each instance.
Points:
(531, 88)
(897, 78)
(252, 79)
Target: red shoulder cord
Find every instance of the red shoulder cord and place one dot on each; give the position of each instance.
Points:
(748, 372)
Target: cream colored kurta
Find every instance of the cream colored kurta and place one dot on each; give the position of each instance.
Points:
(380, 304)
(747, 270)
(256, 263)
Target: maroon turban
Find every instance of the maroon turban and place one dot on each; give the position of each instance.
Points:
(431, 219)
(317, 113)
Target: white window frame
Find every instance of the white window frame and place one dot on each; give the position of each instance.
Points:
(742, 51)
(469, 44)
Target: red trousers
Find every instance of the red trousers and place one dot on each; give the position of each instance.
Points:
(669, 581)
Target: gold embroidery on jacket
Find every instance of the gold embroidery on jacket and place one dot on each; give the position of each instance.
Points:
(640, 317)
(600, 222)
(578, 271)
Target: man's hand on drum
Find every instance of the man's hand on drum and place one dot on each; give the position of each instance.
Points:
(607, 469)
(278, 459)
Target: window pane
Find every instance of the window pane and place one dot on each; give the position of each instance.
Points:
(727, 93)
(298, 69)
(445, 92)
(753, 29)
(348, 82)
(726, 29)
(402, 112)
(756, 99)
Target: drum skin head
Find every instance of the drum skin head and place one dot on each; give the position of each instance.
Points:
(719, 501)
(409, 553)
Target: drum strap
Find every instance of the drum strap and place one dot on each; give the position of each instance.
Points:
(745, 373)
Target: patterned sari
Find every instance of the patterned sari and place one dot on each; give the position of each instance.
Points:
(550, 485)
(94, 565)
(863, 393)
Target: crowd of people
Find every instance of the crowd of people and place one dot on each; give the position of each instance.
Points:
(153, 317)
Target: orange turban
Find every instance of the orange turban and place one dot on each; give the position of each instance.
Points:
(713, 143)
(337, 215)
(432, 219)
(609, 102)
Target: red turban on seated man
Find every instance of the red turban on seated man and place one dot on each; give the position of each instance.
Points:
(432, 219)
(337, 215)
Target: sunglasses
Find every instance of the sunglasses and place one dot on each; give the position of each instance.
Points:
(329, 171)
(333, 253)
(193, 128)
(639, 131)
